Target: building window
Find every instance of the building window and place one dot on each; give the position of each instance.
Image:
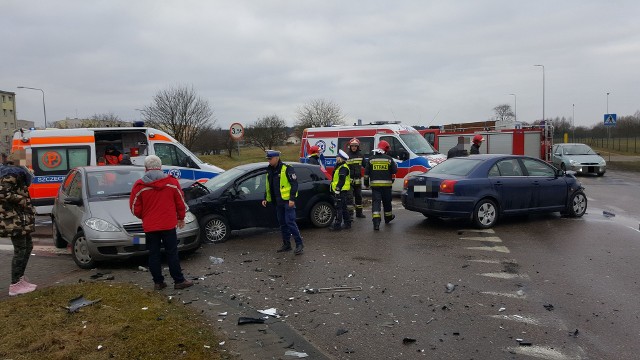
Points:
(6, 125)
(4, 111)
(3, 100)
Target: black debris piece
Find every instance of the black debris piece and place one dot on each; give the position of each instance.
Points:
(608, 214)
(408, 340)
(249, 320)
(525, 343)
(341, 332)
(575, 333)
(549, 307)
(76, 303)
(456, 333)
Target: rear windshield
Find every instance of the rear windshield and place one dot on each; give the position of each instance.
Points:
(112, 183)
(455, 166)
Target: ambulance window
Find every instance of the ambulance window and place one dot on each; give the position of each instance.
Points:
(396, 146)
(366, 144)
(59, 160)
(171, 155)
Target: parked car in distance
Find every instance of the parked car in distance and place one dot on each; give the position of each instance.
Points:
(483, 188)
(91, 212)
(579, 158)
(233, 200)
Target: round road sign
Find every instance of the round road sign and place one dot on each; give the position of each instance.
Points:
(236, 131)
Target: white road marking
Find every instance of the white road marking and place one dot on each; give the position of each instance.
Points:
(502, 249)
(518, 318)
(541, 352)
(484, 231)
(504, 275)
(487, 261)
(509, 295)
(39, 248)
(482, 238)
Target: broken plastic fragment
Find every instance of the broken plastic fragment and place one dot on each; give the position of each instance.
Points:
(76, 303)
(341, 332)
(271, 312)
(502, 309)
(215, 260)
(408, 340)
(549, 307)
(450, 287)
(249, 320)
(608, 213)
(142, 268)
(222, 314)
(296, 354)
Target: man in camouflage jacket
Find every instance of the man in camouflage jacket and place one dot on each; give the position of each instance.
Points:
(17, 221)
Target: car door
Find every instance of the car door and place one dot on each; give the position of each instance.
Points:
(245, 202)
(68, 216)
(556, 155)
(514, 188)
(549, 190)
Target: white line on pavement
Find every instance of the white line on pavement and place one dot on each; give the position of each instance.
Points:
(502, 249)
(482, 238)
(503, 275)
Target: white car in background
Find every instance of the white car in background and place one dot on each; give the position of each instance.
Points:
(580, 158)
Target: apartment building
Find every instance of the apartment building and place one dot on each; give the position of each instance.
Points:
(8, 120)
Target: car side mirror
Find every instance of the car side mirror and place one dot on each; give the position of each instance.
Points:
(559, 172)
(73, 201)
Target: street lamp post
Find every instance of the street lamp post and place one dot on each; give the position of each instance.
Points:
(573, 122)
(542, 90)
(44, 107)
(515, 108)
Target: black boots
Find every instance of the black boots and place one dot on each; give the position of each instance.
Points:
(284, 248)
(387, 219)
(359, 214)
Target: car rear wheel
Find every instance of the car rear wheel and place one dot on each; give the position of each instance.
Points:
(577, 204)
(485, 214)
(80, 252)
(215, 229)
(321, 214)
(58, 241)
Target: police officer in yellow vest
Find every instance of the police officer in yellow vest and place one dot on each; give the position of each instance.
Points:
(282, 190)
(341, 187)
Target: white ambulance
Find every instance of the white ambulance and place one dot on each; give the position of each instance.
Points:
(412, 153)
(51, 153)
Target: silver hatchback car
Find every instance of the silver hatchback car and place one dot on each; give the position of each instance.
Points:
(91, 212)
(579, 158)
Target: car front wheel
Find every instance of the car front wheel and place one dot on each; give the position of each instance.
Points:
(321, 214)
(215, 229)
(58, 241)
(80, 252)
(485, 214)
(577, 204)
(563, 167)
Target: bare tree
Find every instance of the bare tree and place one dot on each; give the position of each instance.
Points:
(181, 113)
(318, 113)
(104, 120)
(503, 112)
(266, 132)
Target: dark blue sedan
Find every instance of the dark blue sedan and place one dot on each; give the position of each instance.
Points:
(483, 188)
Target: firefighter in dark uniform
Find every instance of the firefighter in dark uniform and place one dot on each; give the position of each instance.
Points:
(379, 176)
(457, 150)
(341, 187)
(314, 155)
(356, 162)
(477, 141)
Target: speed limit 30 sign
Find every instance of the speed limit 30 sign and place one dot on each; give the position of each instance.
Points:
(236, 131)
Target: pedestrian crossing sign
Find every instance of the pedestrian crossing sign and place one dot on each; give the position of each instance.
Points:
(609, 119)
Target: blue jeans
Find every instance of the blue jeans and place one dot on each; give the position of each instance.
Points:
(288, 226)
(168, 239)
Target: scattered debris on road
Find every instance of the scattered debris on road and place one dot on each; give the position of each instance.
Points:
(79, 302)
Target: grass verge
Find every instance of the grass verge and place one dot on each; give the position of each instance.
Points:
(251, 155)
(37, 326)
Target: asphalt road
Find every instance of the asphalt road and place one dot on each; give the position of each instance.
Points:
(567, 288)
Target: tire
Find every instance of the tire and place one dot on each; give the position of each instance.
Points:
(80, 252)
(321, 214)
(563, 167)
(577, 204)
(600, 174)
(485, 214)
(214, 229)
(58, 241)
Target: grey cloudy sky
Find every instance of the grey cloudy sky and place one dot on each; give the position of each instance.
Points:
(421, 62)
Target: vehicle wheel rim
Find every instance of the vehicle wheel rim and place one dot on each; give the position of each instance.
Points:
(486, 214)
(81, 250)
(579, 204)
(322, 215)
(215, 230)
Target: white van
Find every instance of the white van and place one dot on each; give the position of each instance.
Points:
(51, 153)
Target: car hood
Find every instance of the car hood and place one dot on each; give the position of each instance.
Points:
(584, 158)
(116, 211)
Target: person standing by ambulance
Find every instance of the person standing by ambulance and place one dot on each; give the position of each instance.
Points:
(341, 188)
(379, 174)
(282, 190)
(314, 155)
(477, 141)
(356, 162)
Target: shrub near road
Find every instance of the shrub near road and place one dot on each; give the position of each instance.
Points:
(127, 323)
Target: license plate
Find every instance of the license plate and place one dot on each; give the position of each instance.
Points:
(420, 188)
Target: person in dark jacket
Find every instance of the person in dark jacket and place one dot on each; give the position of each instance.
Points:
(282, 190)
(477, 142)
(314, 155)
(379, 174)
(126, 160)
(17, 219)
(457, 150)
(356, 163)
(158, 200)
(341, 187)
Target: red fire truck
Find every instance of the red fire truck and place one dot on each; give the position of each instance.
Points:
(512, 138)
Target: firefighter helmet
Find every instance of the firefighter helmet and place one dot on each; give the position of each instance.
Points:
(314, 149)
(354, 141)
(384, 146)
(478, 139)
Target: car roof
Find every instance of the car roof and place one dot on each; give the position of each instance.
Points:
(258, 165)
(110, 167)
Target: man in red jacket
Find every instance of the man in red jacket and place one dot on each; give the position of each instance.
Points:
(158, 200)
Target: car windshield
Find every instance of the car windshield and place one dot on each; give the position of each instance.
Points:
(223, 179)
(455, 166)
(578, 149)
(113, 182)
(417, 144)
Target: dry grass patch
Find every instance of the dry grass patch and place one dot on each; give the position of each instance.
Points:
(37, 326)
(251, 155)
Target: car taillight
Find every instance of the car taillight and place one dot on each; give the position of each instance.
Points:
(447, 186)
(405, 185)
